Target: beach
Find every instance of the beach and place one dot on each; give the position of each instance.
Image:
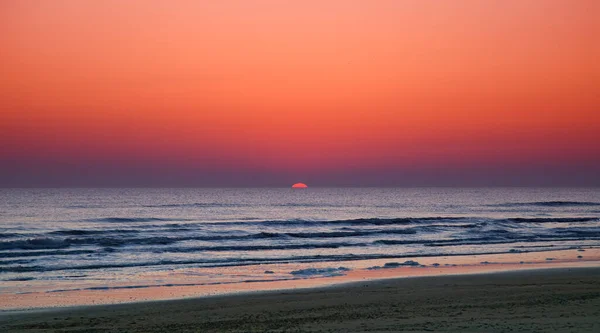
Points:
(299, 166)
(318, 259)
(543, 300)
(73, 247)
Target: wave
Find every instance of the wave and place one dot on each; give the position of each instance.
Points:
(324, 205)
(491, 238)
(548, 204)
(34, 243)
(198, 204)
(356, 222)
(114, 238)
(15, 261)
(61, 243)
(580, 233)
(25, 278)
(440, 242)
(45, 243)
(234, 205)
(234, 262)
(132, 219)
(195, 227)
(82, 232)
(338, 234)
(553, 219)
(14, 254)
(83, 206)
(112, 242)
(471, 221)
(235, 248)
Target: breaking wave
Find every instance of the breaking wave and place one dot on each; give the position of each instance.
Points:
(548, 204)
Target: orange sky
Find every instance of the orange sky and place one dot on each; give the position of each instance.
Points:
(300, 91)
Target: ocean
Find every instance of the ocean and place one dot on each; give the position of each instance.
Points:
(54, 240)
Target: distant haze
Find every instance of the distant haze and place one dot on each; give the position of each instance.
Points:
(270, 93)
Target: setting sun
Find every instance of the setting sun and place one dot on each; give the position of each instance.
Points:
(299, 185)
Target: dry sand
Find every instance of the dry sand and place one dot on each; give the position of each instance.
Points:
(549, 300)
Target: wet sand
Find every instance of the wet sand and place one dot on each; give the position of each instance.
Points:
(202, 282)
(547, 300)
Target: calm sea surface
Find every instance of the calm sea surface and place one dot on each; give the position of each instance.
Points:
(55, 235)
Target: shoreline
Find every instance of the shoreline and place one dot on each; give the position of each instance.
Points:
(366, 270)
(555, 294)
(312, 289)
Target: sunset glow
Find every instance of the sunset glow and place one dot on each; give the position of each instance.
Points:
(259, 93)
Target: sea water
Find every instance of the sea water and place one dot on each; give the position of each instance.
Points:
(63, 239)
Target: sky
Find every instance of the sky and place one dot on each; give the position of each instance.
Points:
(113, 93)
